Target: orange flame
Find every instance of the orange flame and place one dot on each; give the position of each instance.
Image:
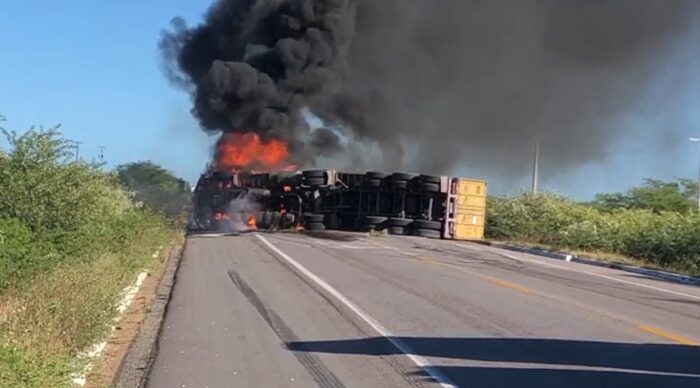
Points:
(235, 151)
(252, 223)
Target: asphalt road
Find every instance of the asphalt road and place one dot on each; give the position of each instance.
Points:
(346, 310)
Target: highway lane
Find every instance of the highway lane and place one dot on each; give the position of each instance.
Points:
(343, 309)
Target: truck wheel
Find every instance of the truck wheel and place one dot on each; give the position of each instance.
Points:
(373, 183)
(399, 185)
(311, 218)
(429, 179)
(423, 224)
(314, 181)
(315, 226)
(397, 230)
(374, 220)
(429, 233)
(375, 175)
(314, 174)
(430, 187)
(399, 222)
(401, 176)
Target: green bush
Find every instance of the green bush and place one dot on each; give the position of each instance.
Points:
(44, 188)
(71, 239)
(668, 239)
(20, 257)
(54, 209)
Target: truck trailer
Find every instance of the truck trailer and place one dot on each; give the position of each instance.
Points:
(398, 203)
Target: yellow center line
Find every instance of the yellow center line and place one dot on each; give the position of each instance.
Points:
(666, 335)
(512, 286)
(428, 260)
(492, 280)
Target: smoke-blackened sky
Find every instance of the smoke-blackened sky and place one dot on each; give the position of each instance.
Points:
(431, 84)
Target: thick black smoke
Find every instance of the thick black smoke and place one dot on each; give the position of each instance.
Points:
(253, 64)
(430, 83)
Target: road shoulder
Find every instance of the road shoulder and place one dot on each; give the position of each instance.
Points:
(135, 351)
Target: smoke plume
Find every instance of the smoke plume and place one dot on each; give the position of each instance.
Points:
(429, 84)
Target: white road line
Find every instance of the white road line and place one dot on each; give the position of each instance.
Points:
(677, 293)
(420, 361)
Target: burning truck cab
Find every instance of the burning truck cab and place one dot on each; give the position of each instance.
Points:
(222, 204)
(397, 203)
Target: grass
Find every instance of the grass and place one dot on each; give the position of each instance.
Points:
(71, 239)
(608, 257)
(656, 239)
(47, 323)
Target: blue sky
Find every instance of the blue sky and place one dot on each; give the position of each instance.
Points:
(93, 67)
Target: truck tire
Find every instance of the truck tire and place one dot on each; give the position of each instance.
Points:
(374, 220)
(430, 187)
(429, 233)
(373, 183)
(402, 176)
(397, 230)
(429, 179)
(423, 224)
(311, 218)
(375, 175)
(313, 182)
(399, 222)
(314, 174)
(399, 185)
(315, 226)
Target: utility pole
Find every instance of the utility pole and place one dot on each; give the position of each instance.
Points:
(536, 168)
(77, 149)
(102, 153)
(697, 140)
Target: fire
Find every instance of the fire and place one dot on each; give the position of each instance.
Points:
(235, 151)
(252, 223)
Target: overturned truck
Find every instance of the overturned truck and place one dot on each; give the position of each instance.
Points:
(399, 203)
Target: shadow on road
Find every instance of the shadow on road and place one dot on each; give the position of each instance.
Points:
(551, 362)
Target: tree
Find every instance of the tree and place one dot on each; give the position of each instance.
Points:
(155, 186)
(47, 190)
(678, 196)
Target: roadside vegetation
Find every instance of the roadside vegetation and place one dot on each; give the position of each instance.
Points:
(71, 239)
(656, 224)
(155, 187)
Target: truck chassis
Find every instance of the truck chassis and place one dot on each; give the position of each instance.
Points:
(400, 203)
